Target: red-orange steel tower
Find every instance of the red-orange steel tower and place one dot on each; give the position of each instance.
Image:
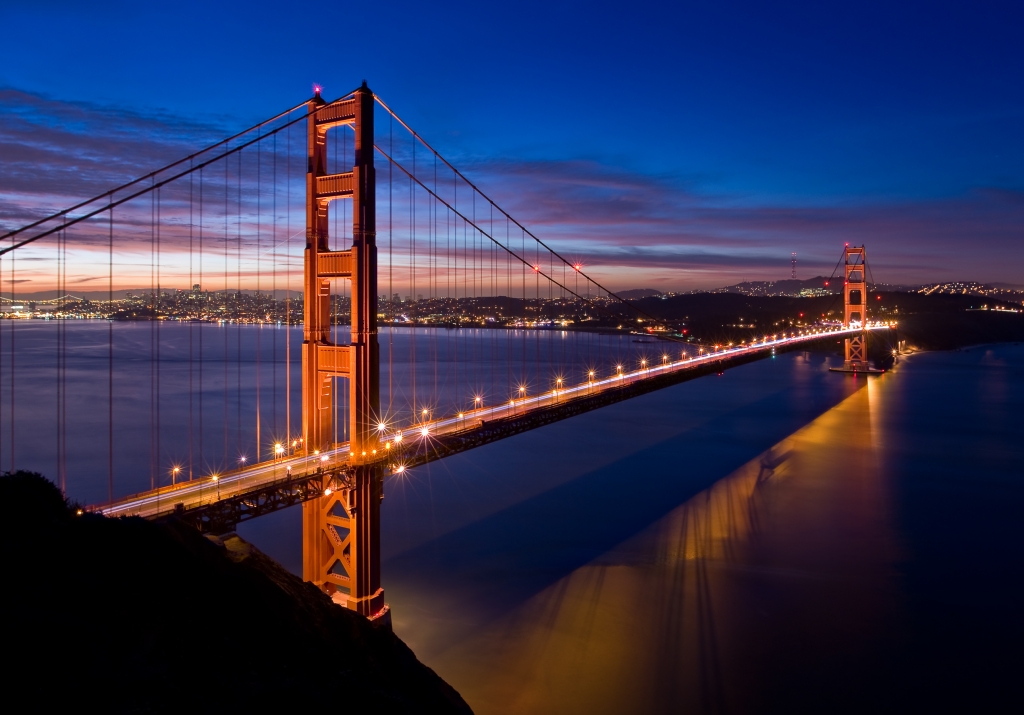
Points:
(341, 530)
(855, 300)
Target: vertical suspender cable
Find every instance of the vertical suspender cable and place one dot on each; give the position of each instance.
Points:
(226, 304)
(258, 315)
(191, 322)
(156, 319)
(110, 352)
(203, 317)
(273, 302)
(288, 289)
(238, 316)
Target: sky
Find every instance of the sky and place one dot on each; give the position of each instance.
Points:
(676, 146)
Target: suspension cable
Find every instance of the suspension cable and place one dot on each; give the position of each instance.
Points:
(154, 185)
(507, 215)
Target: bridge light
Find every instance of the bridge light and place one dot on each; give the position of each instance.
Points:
(522, 390)
(425, 431)
(399, 469)
(215, 477)
(536, 269)
(398, 438)
(478, 399)
(381, 427)
(278, 448)
(578, 267)
(327, 492)
(460, 415)
(243, 459)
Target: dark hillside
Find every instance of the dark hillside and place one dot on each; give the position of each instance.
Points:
(125, 615)
(937, 321)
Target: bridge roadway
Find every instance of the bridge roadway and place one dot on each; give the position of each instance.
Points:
(198, 494)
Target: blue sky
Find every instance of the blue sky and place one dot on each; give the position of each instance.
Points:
(693, 143)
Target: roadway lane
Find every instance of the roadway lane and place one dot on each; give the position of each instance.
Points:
(216, 487)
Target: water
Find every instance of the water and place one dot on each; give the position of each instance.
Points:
(776, 539)
(203, 396)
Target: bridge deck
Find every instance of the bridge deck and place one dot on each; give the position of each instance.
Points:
(282, 482)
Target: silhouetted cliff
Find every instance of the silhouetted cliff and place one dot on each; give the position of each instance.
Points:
(125, 615)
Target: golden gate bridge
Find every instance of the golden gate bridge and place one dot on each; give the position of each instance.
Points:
(332, 414)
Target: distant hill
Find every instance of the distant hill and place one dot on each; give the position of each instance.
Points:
(638, 293)
(928, 321)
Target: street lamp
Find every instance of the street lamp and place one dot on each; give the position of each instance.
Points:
(174, 474)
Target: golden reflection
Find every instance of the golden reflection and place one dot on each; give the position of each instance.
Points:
(694, 613)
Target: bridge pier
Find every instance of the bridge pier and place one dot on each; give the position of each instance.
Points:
(341, 548)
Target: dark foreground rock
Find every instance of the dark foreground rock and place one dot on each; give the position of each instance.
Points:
(129, 616)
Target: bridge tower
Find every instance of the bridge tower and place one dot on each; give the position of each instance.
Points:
(855, 301)
(341, 530)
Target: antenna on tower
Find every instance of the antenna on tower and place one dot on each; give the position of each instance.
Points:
(793, 262)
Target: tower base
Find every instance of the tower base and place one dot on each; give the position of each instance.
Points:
(857, 370)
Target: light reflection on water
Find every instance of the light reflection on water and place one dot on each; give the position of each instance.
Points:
(677, 613)
(858, 553)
